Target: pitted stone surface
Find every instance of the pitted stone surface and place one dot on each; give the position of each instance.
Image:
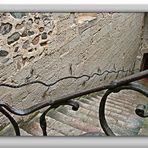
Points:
(13, 38)
(5, 28)
(18, 15)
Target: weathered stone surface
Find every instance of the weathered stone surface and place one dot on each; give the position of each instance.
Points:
(24, 34)
(19, 26)
(5, 28)
(41, 29)
(37, 20)
(26, 44)
(88, 41)
(13, 38)
(9, 131)
(44, 35)
(36, 40)
(16, 49)
(30, 33)
(18, 15)
(3, 53)
(43, 43)
(7, 61)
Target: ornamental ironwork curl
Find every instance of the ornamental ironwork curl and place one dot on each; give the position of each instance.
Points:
(114, 86)
(140, 109)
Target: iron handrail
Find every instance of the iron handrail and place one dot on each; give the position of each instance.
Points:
(114, 86)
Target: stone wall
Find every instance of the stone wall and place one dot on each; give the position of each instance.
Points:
(143, 49)
(49, 46)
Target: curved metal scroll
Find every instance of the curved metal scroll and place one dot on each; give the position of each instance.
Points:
(140, 109)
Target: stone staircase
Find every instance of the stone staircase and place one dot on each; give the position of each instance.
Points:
(63, 121)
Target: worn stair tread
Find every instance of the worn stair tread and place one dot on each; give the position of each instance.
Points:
(88, 106)
(128, 107)
(54, 128)
(90, 117)
(127, 97)
(111, 102)
(35, 130)
(65, 129)
(24, 133)
(110, 105)
(88, 101)
(54, 133)
(122, 131)
(129, 128)
(129, 93)
(73, 122)
(144, 129)
(62, 128)
(67, 122)
(9, 131)
(96, 98)
(33, 127)
(120, 99)
(63, 121)
(80, 116)
(107, 109)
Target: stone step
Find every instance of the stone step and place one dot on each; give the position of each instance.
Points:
(95, 99)
(129, 93)
(116, 99)
(112, 114)
(122, 99)
(63, 121)
(127, 107)
(33, 127)
(92, 108)
(9, 131)
(80, 116)
(112, 103)
(122, 131)
(122, 107)
(93, 95)
(110, 106)
(109, 109)
(83, 126)
(88, 106)
(54, 128)
(88, 101)
(84, 115)
(65, 129)
(126, 112)
(144, 129)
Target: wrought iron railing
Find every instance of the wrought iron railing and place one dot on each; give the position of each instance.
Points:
(115, 86)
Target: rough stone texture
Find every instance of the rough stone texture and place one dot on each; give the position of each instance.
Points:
(5, 28)
(49, 46)
(13, 38)
(3, 53)
(18, 15)
(144, 42)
